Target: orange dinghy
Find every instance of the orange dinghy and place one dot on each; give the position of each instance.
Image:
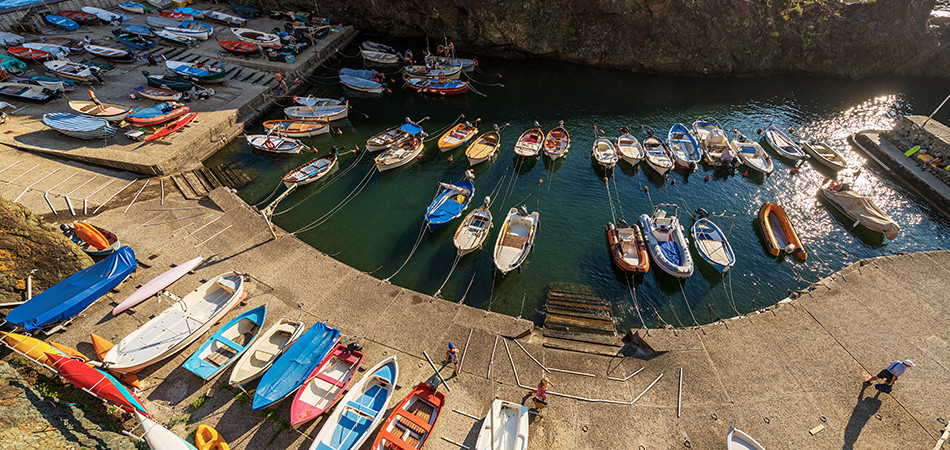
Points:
(627, 248)
(780, 235)
(457, 136)
(411, 423)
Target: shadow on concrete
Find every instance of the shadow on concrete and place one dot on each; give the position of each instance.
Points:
(863, 410)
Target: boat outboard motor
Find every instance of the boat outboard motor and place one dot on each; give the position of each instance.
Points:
(790, 248)
(523, 210)
(702, 213)
(354, 347)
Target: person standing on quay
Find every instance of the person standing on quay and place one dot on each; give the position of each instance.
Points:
(452, 356)
(540, 397)
(892, 371)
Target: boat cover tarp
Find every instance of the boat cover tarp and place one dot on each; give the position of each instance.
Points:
(359, 73)
(671, 251)
(153, 111)
(447, 205)
(864, 211)
(292, 368)
(411, 128)
(359, 82)
(74, 294)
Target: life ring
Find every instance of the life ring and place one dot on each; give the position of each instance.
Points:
(270, 144)
(440, 49)
(405, 76)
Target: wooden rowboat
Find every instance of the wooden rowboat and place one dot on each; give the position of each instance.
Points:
(557, 142)
(274, 144)
(162, 95)
(29, 53)
(72, 71)
(109, 53)
(291, 369)
(325, 385)
(257, 37)
(753, 155)
(400, 155)
(436, 86)
(265, 350)
(238, 47)
(328, 112)
(629, 148)
(712, 245)
(227, 344)
(450, 203)
(605, 153)
(484, 147)
(108, 111)
(393, 136)
(823, 154)
(297, 128)
(778, 141)
(657, 155)
(175, 39)
(62, 22)
(516, 239)
(311, 171)
(683, 147)
(780, 236)
(411, 423)
(627, 247)
(474, 229)
(225, 19)
(82, 18)
(457, 136)
(712, 138)
(530, 142)
(28, 92)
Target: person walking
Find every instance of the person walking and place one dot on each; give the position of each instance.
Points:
(892, 371)
(540, 396)
(452, 356)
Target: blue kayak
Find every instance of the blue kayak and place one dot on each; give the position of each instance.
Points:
(62, 22)
(450, 203)
(227, 344)
(292, 368)
(73, 295)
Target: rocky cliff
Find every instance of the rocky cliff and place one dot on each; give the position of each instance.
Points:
(688, 37)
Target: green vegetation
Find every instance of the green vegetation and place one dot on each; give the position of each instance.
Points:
(175, 420)
(198, 402)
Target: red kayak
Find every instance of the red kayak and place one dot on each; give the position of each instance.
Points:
(173, 127)
(175, 15)
(97, 383)
(82, 18)
(242, 48)
(29, 53)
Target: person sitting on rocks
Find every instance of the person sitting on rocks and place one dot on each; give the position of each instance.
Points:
(939, 161)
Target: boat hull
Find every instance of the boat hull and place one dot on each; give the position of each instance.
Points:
(778, 231)
(628, 251)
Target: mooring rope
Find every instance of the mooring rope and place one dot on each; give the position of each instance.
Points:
(610, 202)
(422, 232)
(617, 195)
(349, 197)
(327, 184)
(731, 296)
(686, 300)
(478, 264)
(636, 304)
(458, 257)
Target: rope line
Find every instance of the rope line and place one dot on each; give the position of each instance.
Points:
(327, 184)
(636, 304)
(422, 232)
(610, 202)
(458, 257)
(617, 194)
(316, 223)
(686, 300)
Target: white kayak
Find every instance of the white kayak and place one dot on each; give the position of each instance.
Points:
(160, 438)
(157, 284)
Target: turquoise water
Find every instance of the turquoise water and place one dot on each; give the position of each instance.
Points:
(377, 228)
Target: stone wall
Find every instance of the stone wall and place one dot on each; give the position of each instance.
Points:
(935, 137)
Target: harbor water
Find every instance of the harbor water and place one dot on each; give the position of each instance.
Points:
(374, 226)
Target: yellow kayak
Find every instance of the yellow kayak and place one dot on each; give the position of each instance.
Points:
(33, 348)
(207, 438)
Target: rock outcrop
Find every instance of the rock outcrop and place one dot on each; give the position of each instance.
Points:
(28, 243)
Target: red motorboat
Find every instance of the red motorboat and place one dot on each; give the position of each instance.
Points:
(82, 18)
(435, 86)
(97, 383)
(411, 423)
(175, 15)
(241, 48)
(29, 53)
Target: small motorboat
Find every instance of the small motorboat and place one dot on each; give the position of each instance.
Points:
(361, 410)
(712, 244)
(450, 203)
(325, 385)
(753, 155)
(666, 241)
(134, 7)
(411, 422)
(530, 143)
(158, 114)
(134, 40)
(657, 155)
(97, 382)
(317, 101)
(62, 22)
(162, 95)
(823, 154)
(390, 137)
(712, 138)
(275, 144)
(72, 71)
(196, 71)
(782, 144)
(629, 147)
(516, 239)
(457, 136)
(604, 152)
(557, 142)
(207, 438)
(225, 19)
(437, 71)
(361, 84)
(91, 239)
(484, 147)
(175, 15)
(683, 147)
(437, 86)
(79, 126)
(168, 82)
(329, 112)
(28, 92)
(739, 440)
(29, 53)
(105, 16)
(264, 351)
(178, 326)
(157, 284)
(627, 248)
(238, 47)
(780, 236)
(380, 57)
(256, 37)
(474, 229)
(195, 13)
(140, 30)
(291, 369)
(192, 29)
(108, 111)
(399, 155)
(296, 128)
(311, 171)
(175, 39)
(862, 210)
(112, 54)
(504, 427)
(227, 344)
(80, 17)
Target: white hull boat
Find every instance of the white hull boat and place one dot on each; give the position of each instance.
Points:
(657, 155)
(753, 155)
(667, 242)
(516, 239)
(504, 428)
(400, 155)
(473, 231)
(629, 148)
(265, 350)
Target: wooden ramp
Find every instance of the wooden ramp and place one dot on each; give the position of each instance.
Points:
(576, 309)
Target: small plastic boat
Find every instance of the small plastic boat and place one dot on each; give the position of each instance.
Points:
(683, 147)
(739, 440)
(392, 136)
(162, 95)
(196, 71)
(227, 344)
(175, 39)
(108, 111)
(505, 427)
(156, 285)
(437, 86)
(72, 71)
(627, 247)
(516, 239)
(484, 148)
(823, 154)
(457, 136)
(557, 142)
(28, 92)
(256, 37)
(62, 22)
(629, 148)
(134, 7)
(225, 19)
(91, 239)
(325, 385)
(275, 144)
(400, 155)
(862, 210)
(530, 143)
(657, 155)
(238, 47)
(450, 203)
(105, 16)
(79, 126)
(158, 114)
(753, 155)
(666, 241)
(411, 422)
(473, 231)
(265, 350)
(311, 171)
(112, 54)
(97, 382)
(712, 245)
(80, 17)
(782, 144)
(605, 153)
(712, 138)
(207, 438)
(780, 236)
(291, 369)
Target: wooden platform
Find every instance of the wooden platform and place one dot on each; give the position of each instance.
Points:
(577, 309)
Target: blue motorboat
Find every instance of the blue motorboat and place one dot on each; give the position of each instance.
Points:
(667, 242)
(73, 295)
(227, 344)
(292, 368)
(683, 146)
(450, 203)
(62, 22)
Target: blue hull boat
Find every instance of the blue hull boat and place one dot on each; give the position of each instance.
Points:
(358, 413)
(683, 146)
(227, 344)
(73, 295)
(62, 22)
(140, 30)
(450, 203)
(135, 41)
(292, 368)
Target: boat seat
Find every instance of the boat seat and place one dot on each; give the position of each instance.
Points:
(515, 241)
(331, 380)
(226, 286)
(408, 424)
(362, 409)
(230, 343)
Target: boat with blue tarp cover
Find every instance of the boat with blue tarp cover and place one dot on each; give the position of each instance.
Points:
(62, 22)
(227, 344)
(160, 113)
(140, 30)
(291, 369)
(135, 41)
(79, 126)
(69, 297)
(361, 84)
(198, 72)
(666, 241)
(450, 203)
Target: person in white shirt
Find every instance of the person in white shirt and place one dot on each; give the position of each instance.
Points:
(892, 371)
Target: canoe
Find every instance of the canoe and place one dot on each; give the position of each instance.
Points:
(311, 171)
(296, 128)
(160, 438)
(195, 71)
(510, 432)
(400, 155)
(739, 440)
(435, 71)
(657, 155)
(291, 369)
(605, 153)
(178, 326)
(238, 47)
(530, 142)
(683, 147)
(158, 114)
(712, 245)
(62, 22)
(390, 137)
(361, 410)
(275, 144)
(79, 126)
(516, 239)
(474, 229)
(172, 127)
(28, 92)
(69, 297)
(329, 112)
(108, 111)
(629, 148)
(823, 154)
(712, 138)
(627, 247)
(753, 155)
(156, 284)
(97, 383)
(80, 17)
(457, 136)
(90, 238)
(162, 95)
(361, 84)
(862, 210)
(782, 144)
(256, 37)
(380, 57)
(29, 53)
(557, 142)
(134, 7)
(666, 241)
(437, 86)
(171, 82)
(175, 39)
(780, 236)
(484, 147)
(174, 15)
(192, 29)
(207, 438)
(109, 53)
(31, 347)
(140, 30)
(225, 19)
(265, 350)
(450, 203)
(105, 16)
(227, 344)
(135, 41)
(196, 13)
(411, 422)
(72, 71)
(325, 385)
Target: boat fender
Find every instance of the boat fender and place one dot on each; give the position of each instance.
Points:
(790, 248)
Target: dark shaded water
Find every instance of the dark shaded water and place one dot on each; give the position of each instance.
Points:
(377, 228)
